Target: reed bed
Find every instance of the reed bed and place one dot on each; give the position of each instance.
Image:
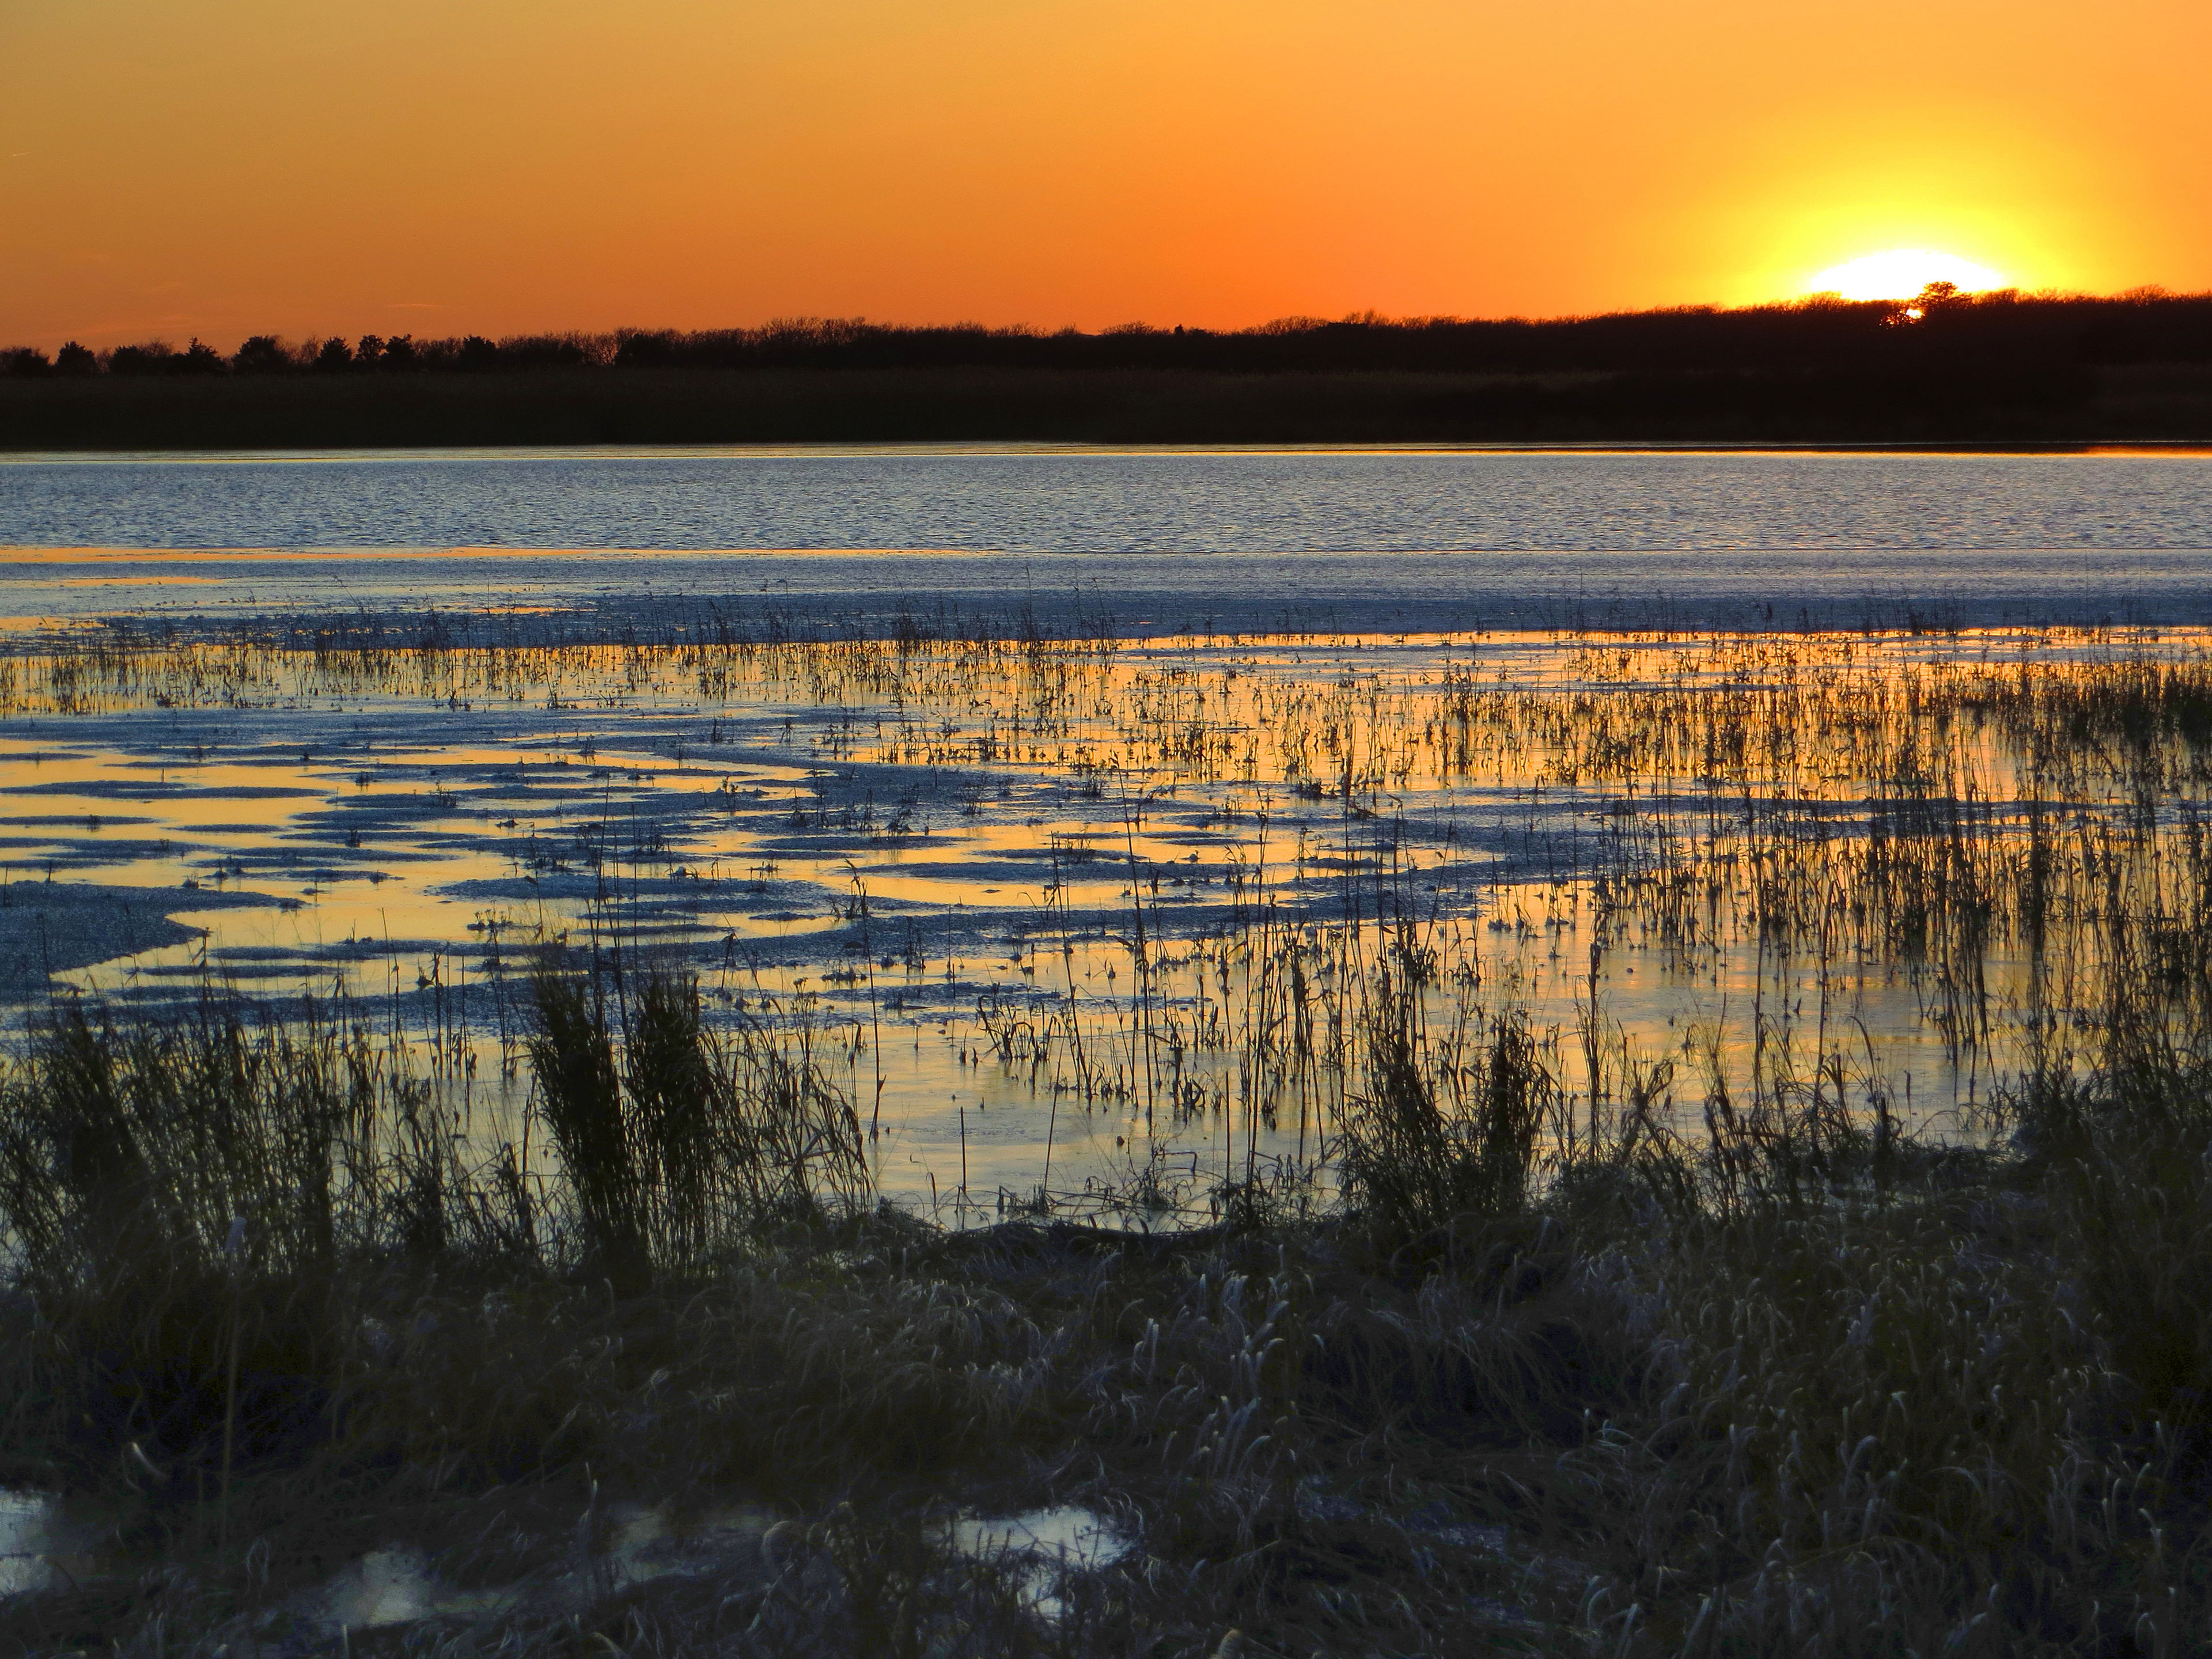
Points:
(1931, 808)
(1545, 1333)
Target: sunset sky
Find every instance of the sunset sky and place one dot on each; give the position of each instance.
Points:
(173, 167)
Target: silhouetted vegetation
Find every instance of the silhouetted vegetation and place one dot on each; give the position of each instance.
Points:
(1941, 325)
(2003, 365)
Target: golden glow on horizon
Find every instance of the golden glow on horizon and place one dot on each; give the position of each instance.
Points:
(226, 167)
(1901, 273)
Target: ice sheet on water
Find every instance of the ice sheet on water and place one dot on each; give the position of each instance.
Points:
(1052, 1544)
(40, 1549)
(399, 1584)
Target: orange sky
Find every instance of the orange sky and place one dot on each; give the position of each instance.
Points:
(174, 167)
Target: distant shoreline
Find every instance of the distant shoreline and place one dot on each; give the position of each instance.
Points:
(1013, 448)
(1937, 405)
(1986, 371)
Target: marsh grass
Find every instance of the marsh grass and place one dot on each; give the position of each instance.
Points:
(697, 1136)
(1557, 1336)
(207, 1196)
(1444, 1130)
(1791, 1382)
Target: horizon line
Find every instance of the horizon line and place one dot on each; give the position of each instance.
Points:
(1288, 323)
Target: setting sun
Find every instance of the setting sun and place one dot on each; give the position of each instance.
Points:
(1901, 273)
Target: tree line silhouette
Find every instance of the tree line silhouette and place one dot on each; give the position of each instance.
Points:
(1939, 326)
(1943, 368)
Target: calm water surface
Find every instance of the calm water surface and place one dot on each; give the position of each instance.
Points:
(1139, 542)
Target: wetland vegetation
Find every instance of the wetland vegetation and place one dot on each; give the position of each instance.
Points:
(1628, 1144)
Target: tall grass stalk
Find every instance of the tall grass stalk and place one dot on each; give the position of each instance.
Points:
(699, 1136)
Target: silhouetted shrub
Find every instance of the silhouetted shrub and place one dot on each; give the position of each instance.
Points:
(646, 348)
(159, 357)
(263, 354)
(197, 358)
(152, 357)
(556, 351)
(25, 362)
(333, 356)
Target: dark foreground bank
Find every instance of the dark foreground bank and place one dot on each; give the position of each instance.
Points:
(2000, 368)
(1794, 1384)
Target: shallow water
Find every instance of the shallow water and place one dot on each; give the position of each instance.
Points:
(931, 856)
(300, 829)
(925, 857)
